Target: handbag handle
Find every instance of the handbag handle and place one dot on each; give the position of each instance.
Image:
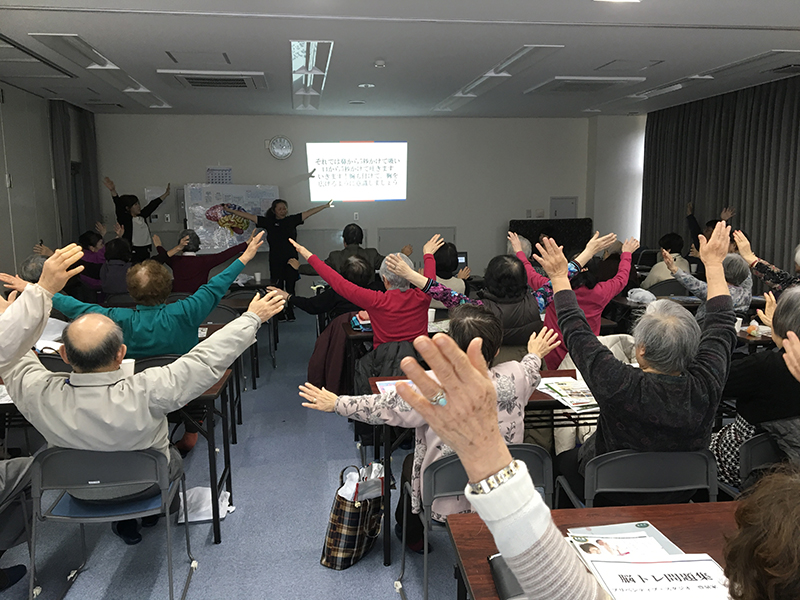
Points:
(341, 475)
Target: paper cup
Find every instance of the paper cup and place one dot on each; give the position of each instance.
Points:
(693, 267)
(258, 278)
(431, 315)
(738, 324)
(127, 366)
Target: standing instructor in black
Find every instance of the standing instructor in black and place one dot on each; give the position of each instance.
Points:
(280, 227)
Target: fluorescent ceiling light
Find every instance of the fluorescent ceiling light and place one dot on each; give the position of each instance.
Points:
(310, 62)
(513, 64)
(74, 48)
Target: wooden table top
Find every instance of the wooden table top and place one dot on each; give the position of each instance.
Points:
(694, 528)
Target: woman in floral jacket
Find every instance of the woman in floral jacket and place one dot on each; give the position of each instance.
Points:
(514, 382)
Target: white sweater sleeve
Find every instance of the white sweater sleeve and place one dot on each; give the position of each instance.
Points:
(532, 546)
(22, 324)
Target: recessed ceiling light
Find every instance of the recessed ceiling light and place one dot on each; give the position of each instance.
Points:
(357, 102)
(381, 64)
(367, 86)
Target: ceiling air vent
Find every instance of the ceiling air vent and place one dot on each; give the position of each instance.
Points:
(229, 80)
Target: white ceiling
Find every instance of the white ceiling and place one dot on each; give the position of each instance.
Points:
(431, 48)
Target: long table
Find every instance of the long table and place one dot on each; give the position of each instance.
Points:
(694, 528)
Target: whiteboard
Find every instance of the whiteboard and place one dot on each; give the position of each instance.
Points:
(217, 228)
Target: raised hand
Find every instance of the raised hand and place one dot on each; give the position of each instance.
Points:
(4, 304)
(464, 273)
(792, 357)
(516, 245)
(110, 185)
(294, 263)
(766, 315)
(668, 261)
(267, 307)
(282, 293)
(408, 250)
(468, 421)
(119, 230)
(433, 244)
(551, 257)
(542, 344)
(100, 228)
(166, 192)
(318, 399)
(156, 240)
(598, 243)
(689, 208)
(693, 252)
(301, 249)
(13, 282)
(714, 250)
(42, 250)
(252, 248)
(745, 250)
(727, 213)
(56, 271)
(630, 245)
(398, 266)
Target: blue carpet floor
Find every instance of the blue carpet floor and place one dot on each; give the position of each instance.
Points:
(285, 474)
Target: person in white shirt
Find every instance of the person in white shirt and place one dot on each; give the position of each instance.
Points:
(672, 243)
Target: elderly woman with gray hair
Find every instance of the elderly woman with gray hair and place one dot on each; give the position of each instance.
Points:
(737, 276)
(670, 402)
(400, 313)
(190, 270)
(767, 395)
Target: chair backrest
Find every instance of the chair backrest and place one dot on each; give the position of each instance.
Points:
(244, 293)
(647, 257)
(758, 452)
(540, 466)
(668, 287)
(447, 477)
(54, 363)
(154, 361)
(120, 300)
(175, 296)
(66, 468)
(221, 314)
(628, 471)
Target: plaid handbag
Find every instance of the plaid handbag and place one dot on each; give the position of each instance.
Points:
(353, 528)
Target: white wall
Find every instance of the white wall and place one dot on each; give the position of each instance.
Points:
(27, 209)
(473, 174)
(614, 176)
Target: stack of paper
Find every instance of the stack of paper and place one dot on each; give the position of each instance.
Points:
(631, 560)
(570, 392)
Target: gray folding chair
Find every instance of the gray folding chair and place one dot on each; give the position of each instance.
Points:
(756, 453)
(221, 314)
(65, 469)
(447, 477)
(668, 287)
(628, 471)
(54, 363)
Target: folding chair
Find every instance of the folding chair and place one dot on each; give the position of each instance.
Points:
(628, 471)
(756, 453)
(447, 477)
(221, 314)
(54, 363)
(175, 296)
(19, 497)
(66, 469)
(668, 287)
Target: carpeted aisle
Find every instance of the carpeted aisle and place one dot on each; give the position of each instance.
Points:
(285, 474)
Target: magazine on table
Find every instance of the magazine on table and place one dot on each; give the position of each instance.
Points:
(572, 393)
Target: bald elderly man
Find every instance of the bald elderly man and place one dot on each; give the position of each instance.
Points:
(21, 322)
(97, 408)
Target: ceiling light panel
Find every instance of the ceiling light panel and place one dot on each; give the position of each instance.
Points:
(515, 63)
(74, 48)
(582, 85)
(310, 62)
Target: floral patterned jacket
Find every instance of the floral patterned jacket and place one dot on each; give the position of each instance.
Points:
(741, 295)
(774, 277)
(514, 382)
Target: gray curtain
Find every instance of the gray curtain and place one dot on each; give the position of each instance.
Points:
(740, 149)
(60, 145)
(90, 203)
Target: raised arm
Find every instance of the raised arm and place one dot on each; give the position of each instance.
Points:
(595, 245)
(240, 213)
(312, 211)
(771, 275)
(612, 287)
(690, 282)
(375, 409)
(520, 522)
(347, 289)
(712, 253)
(430, 286)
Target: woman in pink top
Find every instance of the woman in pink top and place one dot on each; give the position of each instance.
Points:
(592, 296)
(397, 315)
